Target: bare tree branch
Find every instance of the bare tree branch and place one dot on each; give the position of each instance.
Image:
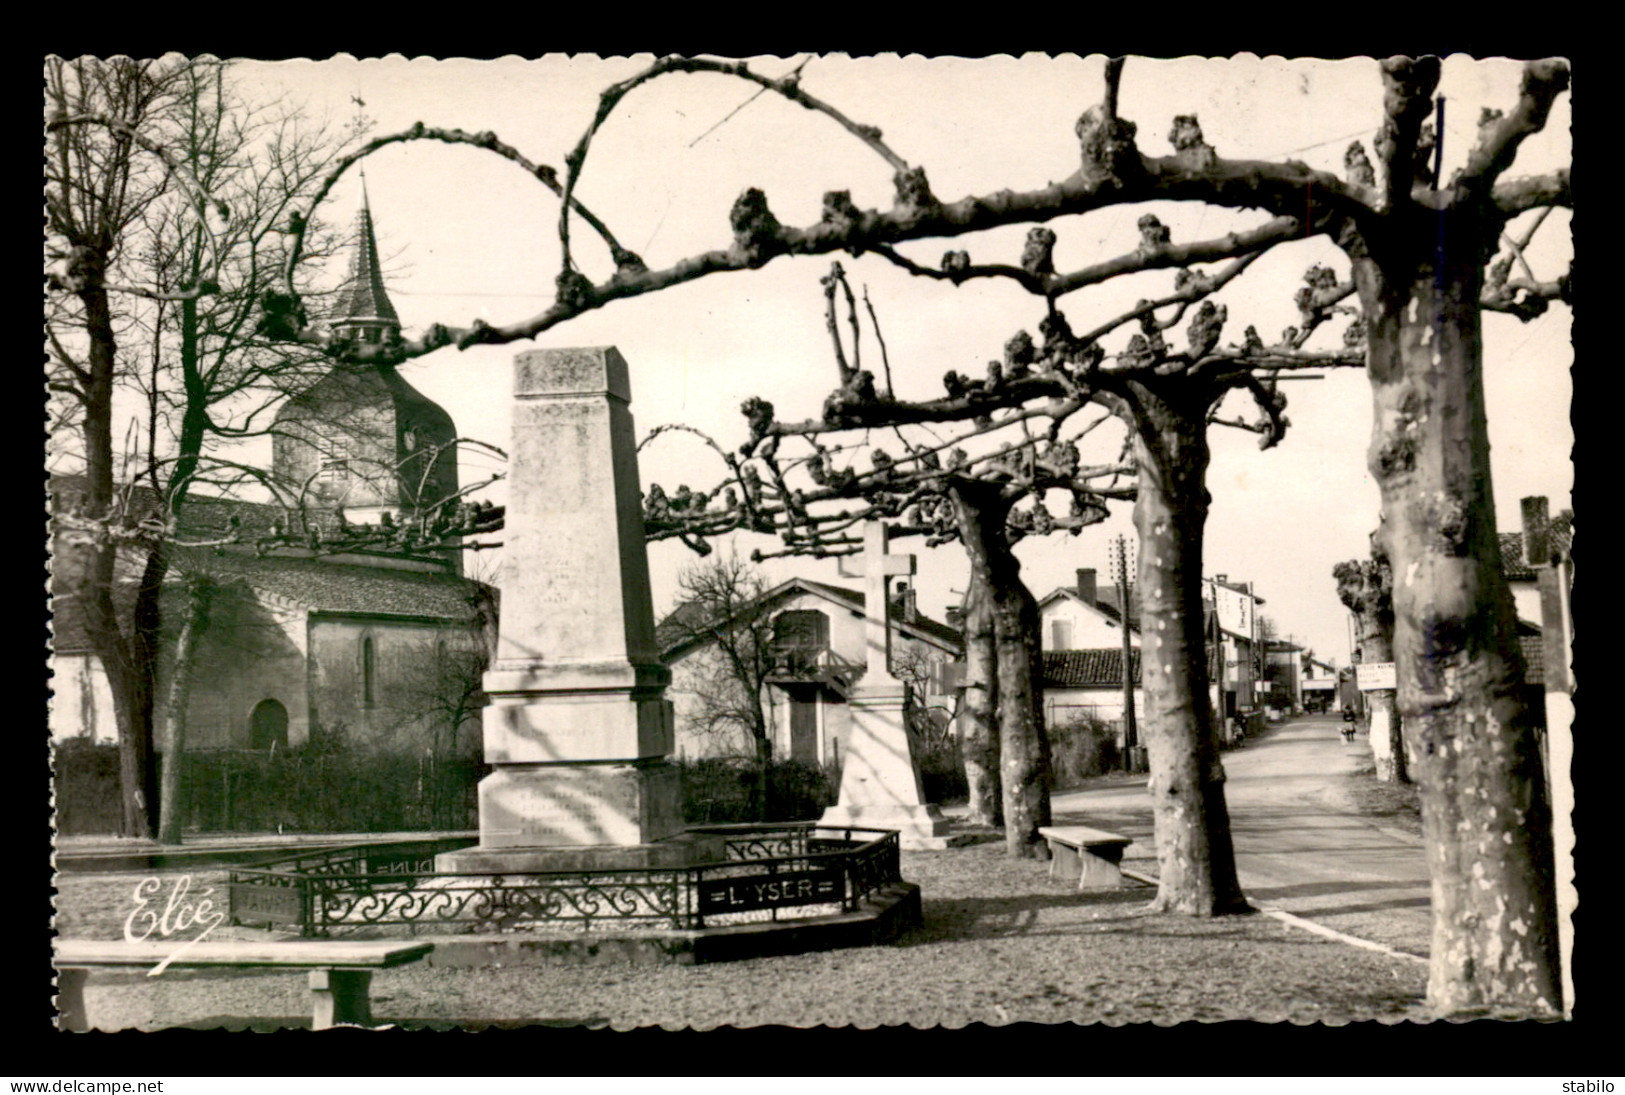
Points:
(1407, 101)
(1514, 196)
(1499, 137)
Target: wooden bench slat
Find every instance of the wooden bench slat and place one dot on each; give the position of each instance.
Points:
(1091, 857)
(340, 977)
(328, 954)
(1076, 835)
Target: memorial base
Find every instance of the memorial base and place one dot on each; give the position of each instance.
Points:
(686, 850)
(576, 805)
(581, 817)
(920, 827)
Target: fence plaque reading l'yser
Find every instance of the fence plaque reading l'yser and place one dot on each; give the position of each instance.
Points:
(722, 895)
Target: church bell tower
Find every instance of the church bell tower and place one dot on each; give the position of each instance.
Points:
(361, 440)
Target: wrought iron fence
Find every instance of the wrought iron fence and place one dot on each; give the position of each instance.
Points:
(785, 871)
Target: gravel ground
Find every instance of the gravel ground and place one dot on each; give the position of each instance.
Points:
(1002, 943)
(1396, 804)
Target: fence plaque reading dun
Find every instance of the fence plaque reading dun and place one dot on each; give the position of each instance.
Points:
(722, 895)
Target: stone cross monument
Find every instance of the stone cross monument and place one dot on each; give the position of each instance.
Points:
(880, 778)
(578, 728)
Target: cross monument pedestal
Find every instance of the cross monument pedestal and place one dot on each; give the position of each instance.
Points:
(880, 778)
(578, 727)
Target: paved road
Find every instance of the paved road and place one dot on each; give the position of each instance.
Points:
(1301, 845)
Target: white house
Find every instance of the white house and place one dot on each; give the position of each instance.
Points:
(1083, 653)
(1233, 635)
(819, 654)
(1319, 683)
(1085, 617)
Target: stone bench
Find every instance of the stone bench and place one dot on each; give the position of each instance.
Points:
(1092, 856)
(340, 971)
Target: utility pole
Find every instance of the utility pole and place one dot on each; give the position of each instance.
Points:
(1131, 737)
(1255, 669)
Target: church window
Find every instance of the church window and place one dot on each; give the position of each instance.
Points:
(333, 473)
(368, 671)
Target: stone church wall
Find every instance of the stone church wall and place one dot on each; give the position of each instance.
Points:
(414, 681)
(250, 653)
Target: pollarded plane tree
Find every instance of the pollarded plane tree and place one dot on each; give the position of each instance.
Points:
(1366, 588)
(1167, 397)
(1170, 400)
(1417, 247)
(798, 481)
(295, 518)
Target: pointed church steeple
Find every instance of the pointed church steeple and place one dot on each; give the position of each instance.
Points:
(363, 310)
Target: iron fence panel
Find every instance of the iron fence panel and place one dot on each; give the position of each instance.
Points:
(767, 871)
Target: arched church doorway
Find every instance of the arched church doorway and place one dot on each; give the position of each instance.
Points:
(268, 726)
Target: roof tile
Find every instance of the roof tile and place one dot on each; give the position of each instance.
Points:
(1088, 668)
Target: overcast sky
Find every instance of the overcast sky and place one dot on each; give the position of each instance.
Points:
(473, 236)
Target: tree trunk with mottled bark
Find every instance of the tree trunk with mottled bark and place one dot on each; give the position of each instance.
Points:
(1023, 747)
(1387, 731)
(1023, 750)
(1197, 864)
(1366, 588)
(1485, 813)
(129, 682)
(199, 600)
(978, 726)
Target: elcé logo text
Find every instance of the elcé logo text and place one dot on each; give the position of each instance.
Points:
(182, 912)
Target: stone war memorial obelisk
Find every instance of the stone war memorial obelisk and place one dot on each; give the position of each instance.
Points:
(578, 728)
(880, 776)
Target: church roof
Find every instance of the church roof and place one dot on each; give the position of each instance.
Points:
(343, 397)
(314, 584)
(318, 584)
(362, 299)
(323, 586)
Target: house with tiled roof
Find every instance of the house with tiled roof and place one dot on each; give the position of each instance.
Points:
(818, 655)
(1088, 684)
(303, 641)
(1082, 639)
(1525, 577)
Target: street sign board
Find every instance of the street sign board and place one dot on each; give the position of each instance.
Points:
(1375, 675)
